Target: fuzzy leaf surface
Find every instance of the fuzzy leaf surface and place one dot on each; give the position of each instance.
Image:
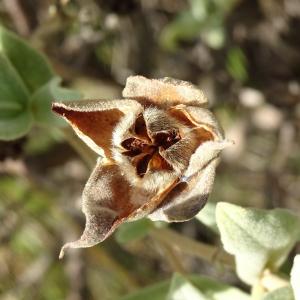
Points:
(257, 238)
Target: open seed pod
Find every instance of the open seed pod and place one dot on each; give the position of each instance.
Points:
(158, 147)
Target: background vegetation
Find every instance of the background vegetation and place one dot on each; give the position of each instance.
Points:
(244, 54)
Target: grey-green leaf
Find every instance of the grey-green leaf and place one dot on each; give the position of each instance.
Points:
(259, 239)
(284, 293)
(42, 99)
(32, 66)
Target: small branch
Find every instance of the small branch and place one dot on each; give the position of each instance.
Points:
(184, 244)
(18, 16)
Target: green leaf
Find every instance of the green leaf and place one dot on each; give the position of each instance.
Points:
(13, 96)
(225, 6)
(214, 36)
(204, 18)
(284, 293)
(201, 9)
(14, 127)
(42, 99)
(15, 117)
(205, 287)
(182, 289)
(259, 239)
(184, 27)
(32, 66)
(295, 277)
(133, 230)
(236, 64)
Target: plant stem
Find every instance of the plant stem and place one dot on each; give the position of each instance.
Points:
(98, 255)
(88, 156)
(170, 254)
(187, 245)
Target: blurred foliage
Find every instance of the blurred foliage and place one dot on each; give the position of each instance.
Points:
(236, 64)
(194, 287)
(204, 18)
(28, 87)
(244, 54)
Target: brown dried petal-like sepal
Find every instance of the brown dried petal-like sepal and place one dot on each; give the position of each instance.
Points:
(191, 192)
(105, 200)
(95, 120)
(188, 197)
(163, 92)
(108, 201)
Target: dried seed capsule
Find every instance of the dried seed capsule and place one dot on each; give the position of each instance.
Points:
(159, 151)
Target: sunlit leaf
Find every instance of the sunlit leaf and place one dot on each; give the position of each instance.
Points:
(201, 8)
(214, 36)
(284, 293)
(295, 277)
(257, 238)
(32, 67)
